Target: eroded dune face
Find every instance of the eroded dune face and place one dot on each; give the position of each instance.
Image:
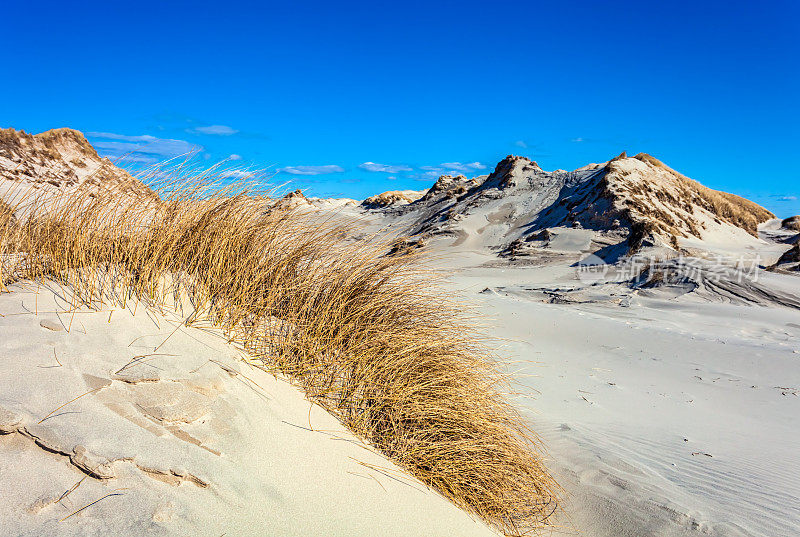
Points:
(791, 223)
(790, 260)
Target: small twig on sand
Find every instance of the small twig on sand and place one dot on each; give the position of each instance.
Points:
(195, 370)
(76, 485)
(235, 373)
(385, 472)
(369, 477)
(52, 366)
(172, 333)
(136, 360)
(115, 493)
(68, 402)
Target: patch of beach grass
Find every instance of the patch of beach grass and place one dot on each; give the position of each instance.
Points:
(368, 336)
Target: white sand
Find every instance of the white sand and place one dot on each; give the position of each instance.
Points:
(190, 441)
(631, 399)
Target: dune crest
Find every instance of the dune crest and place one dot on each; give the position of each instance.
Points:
(631, 201)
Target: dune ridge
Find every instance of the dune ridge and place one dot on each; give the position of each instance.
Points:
(631, 202)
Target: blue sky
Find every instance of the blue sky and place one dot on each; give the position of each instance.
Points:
(355, 98)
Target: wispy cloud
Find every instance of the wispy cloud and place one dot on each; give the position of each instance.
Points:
(786, 198)
(388, 168)
(124, 137)
(239, 174)
(521, 143)
(217, 130)
(235, 157)
(578, 139)
(430, 175)
(312, 170)
(463, 166)
(449, 168)
(129, 158)
(140, 148)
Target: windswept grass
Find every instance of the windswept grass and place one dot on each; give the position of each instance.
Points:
(367, 336)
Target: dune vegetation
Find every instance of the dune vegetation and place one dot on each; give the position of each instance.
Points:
(366, 335)
(792, 223)
(734, 209)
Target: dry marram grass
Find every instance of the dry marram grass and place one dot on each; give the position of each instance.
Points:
(364, 334)
(735, 209)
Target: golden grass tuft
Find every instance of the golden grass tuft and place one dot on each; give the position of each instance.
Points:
(6, 215)
(366, 335)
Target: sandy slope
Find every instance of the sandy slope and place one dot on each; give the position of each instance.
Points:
(188, 441)
(631, 396)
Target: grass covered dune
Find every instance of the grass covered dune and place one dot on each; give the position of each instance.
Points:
(366, 335)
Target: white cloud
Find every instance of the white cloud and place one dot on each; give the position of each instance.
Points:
(463, 167)
(388, 168)
(451, 168)
(218, 130)
(238, 173)
(131, 158)
(312, 170)
(787, 198)
(140, 148)
(521, 143)
(235, 157)
(578, 139)
(430, 175)
(123, 137)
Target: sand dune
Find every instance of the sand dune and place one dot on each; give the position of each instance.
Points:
(656, 356)
(665, 384)
(58, 161)
(626, 204)
(185, 440)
